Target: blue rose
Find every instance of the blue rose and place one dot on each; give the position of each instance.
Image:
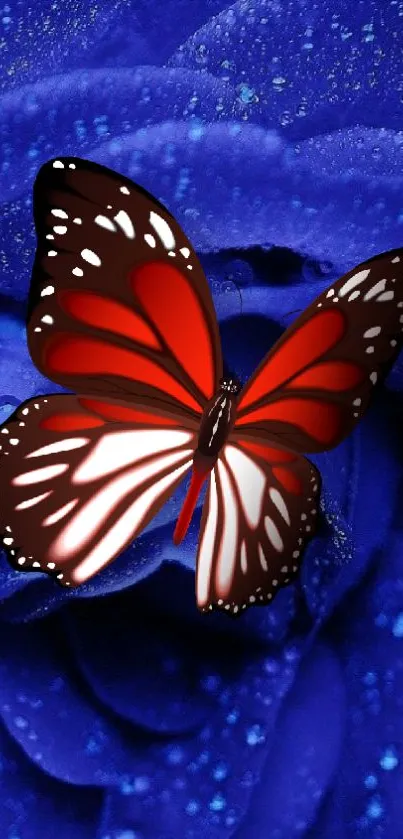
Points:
(126, 714)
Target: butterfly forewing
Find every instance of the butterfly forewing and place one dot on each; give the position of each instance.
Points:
(118, 296)
(315, 384)
(81, 477)
(259, 513)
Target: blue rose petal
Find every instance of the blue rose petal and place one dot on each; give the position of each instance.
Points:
(304, 68)
(89, 107)
(365, 800)
(205, 784)
(350, 217)
(32, 804)
(304, 753)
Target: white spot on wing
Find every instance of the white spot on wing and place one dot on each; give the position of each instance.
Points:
(373, 332)
(60, 229)
(126, 527)
(163, 230)
(250, 480)
(38, 475)
(227, 551)
(125, 223)
(262, 558)
(78, 272)
(30, 502)
(121, 448)
(57, 164)
(61, 513)
(244, 559)
(354, 281)
(149, 238)
(49, 289)
(386, 296)
(273, 533)
(376, 289)
(125, 190)
(185, 252)
(206, 548)
(91, 257)
(279, 502)
(90, 517)
(47, 319)
(106, 223)
(66, 445)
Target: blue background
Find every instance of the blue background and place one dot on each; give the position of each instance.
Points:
(273, 132)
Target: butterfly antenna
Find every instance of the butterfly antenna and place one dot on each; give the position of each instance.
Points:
(294, 312)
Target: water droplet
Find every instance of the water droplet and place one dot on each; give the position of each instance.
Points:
(389, 759)
(141, 784)
(201, 54)
(21, 722)
(220, 771)
(175, 755)
(230, 819)
(255, 735)
(248, 778)
(233, 717)
(210, 683)
(217, 803)
(397, 628)
(196, 130)
(374, 809)
(246, 94)
(93, 746)
(127, 786)
(192, 807)
(369, 679)
(371, 781)
(301, 110)
(285, 118)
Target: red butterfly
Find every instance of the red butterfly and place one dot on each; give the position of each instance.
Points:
(121, 313)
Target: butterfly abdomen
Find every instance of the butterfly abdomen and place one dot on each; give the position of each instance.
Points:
(216, 424)
(201, 469)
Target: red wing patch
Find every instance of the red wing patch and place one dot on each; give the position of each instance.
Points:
(315, 384)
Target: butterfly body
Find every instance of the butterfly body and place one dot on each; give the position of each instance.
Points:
(216, 424)
(120, 313)
(218, 419)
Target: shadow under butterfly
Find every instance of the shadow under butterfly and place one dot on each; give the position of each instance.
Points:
(120, 313)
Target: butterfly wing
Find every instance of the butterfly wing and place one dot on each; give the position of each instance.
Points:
(315, 384)
(258, 515)
(82, 476)
(119, 303)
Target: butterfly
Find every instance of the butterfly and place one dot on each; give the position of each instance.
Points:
(120, 313)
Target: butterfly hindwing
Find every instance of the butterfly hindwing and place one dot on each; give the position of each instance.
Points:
(119, 303)
(259, 513)
(82, 476)
(314, 386)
